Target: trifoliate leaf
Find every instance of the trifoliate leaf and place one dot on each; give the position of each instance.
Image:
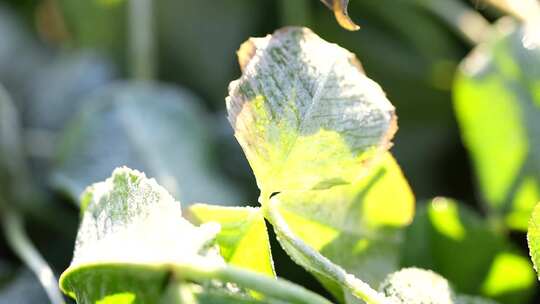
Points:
(445, 234)
(154, 128)
(497, 103)
(358, 227)
(340, 11)
(305, 113)
(243, 238)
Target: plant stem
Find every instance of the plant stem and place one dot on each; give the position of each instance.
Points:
(22, 246)
(276, 288)
(322, 265)
(467, 22)
(141, 39)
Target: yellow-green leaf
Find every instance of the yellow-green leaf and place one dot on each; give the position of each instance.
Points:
(497, 103)
(533, 238)
(243, 238)
(358, 226)
(305, 114)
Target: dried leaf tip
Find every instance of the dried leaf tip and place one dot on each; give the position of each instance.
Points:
(340, 11)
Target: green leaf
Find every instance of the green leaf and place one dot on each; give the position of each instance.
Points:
(445, 234)
(419, 286)
(533, 238)
(358, 227)
(130, 228)
(58, 88)
(243, 238)
(305, 113)
(340, 11)
(497, 103)
(156, 128)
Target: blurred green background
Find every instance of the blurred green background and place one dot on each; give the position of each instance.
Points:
(66, 66)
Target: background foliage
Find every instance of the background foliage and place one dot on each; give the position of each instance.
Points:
(69, 116)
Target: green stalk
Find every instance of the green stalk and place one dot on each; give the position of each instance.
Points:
(141, 39)
(276, 288)
(22, 246)
(357, 287)
(465, 21)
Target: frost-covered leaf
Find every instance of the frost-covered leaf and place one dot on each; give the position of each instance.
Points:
(533, 238)
(154, 128)
(497, 103)
(419, 286)
(358, 227)
(340, 11)
(130, 226)
(305, 113)
(243, 238)
(445, 234)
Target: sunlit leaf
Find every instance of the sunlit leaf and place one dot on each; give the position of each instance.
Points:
(305, 113)
(340, 11)
(243, 239)
(533, 238)
(130, 226)
(155, 128)
(497, 102)
(445, 234)
(358, 227)
(419, 286)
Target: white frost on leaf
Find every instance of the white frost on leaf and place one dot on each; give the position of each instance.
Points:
(131, 219)
(305, 113)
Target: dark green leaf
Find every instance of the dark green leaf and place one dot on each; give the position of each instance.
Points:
(454, 241)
